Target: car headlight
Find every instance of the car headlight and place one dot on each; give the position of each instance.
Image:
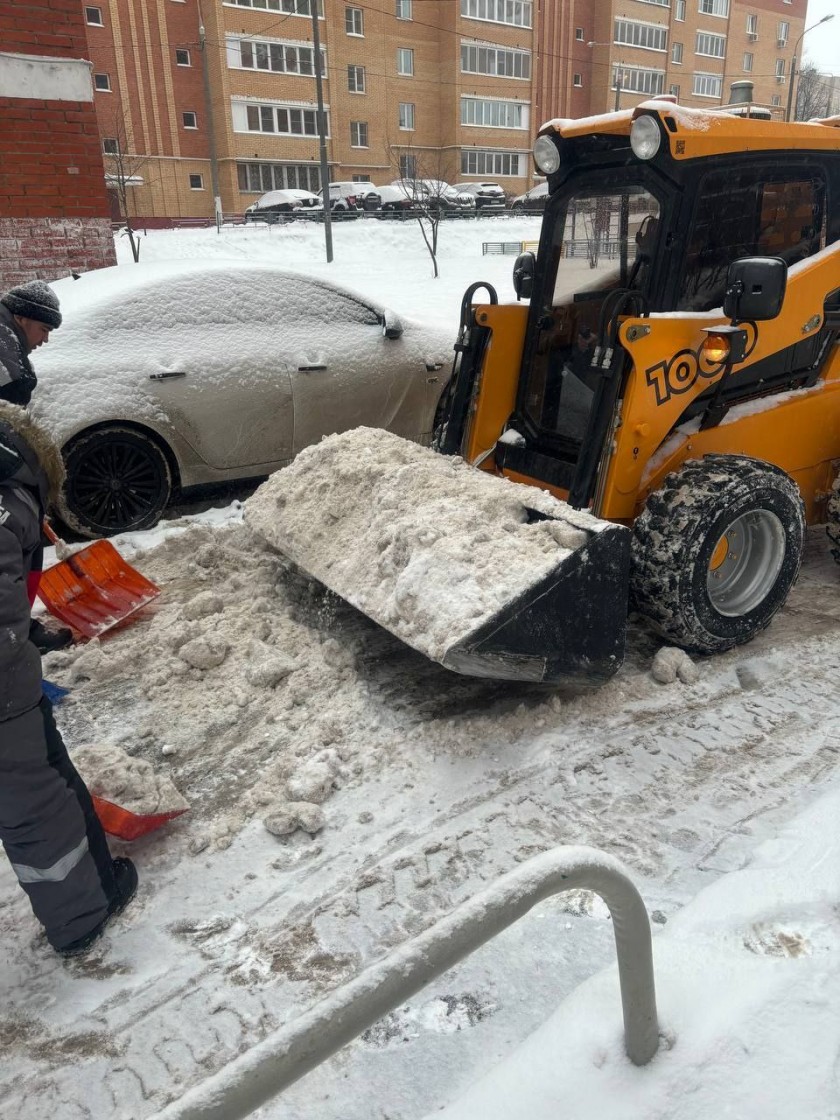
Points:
(546, 155)
(645, 137)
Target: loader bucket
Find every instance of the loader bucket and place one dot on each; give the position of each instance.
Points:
(485, 576)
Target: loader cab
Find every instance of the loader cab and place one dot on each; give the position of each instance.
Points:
(624, 236)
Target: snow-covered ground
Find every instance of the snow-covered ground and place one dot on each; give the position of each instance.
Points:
(271, 704)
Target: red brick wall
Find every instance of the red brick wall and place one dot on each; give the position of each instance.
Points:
(54, 212)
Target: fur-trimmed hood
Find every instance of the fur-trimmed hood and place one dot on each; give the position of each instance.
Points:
(40, 455)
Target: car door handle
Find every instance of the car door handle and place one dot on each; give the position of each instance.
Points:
(309, 369)
(167, 373)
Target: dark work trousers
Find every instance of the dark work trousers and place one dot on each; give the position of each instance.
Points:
(50, 830)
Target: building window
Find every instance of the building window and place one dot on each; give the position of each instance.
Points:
(280, 58)
(282, 120)
(782, 33)
(190, 120)
(196, 183)
(102, 82)
(288, 7)
(713, 8)
(361, 178)
(257, 178)
(714, 46)
(707, 85)
(579, 34)
(634, 80)
(403, 9)
(674, 91)
(354, 21)
(679, 11)
(495, 60)
(780, 69)
(776, 99)
(358, 134)
(408, 167)
(182, 58)
(110, 146)
(752, 26)
(356, 79)
(93, 16)
(677, 53)
(489, 113)
(405, 62)
(748, 62)
(648, 36)
(516, 13)
(407, 115)
(577, 81)
(490, 163)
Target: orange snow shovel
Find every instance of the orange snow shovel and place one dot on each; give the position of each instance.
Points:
(126, 825)
(94, 589)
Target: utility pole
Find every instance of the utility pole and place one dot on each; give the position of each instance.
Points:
(619, 78)
(211, 131)
(825, 19)
(322, 131)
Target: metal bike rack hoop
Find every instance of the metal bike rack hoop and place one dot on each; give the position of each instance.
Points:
(293, 1050)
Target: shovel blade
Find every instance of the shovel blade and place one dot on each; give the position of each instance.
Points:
(126, 825)
(95, 589)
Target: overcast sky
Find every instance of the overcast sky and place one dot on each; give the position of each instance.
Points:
(822, 46)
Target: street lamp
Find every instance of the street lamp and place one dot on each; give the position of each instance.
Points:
(825, 19)
(619, 74)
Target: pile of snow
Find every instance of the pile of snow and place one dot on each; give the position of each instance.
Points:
(671, 663)
(109, 772)
(423, 543)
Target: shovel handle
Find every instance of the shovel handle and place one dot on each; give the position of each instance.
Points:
(49, 534)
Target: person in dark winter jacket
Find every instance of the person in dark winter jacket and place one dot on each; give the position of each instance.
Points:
(48, 825)
(27, 315)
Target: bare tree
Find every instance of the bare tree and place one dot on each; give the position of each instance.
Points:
(423, 177)
(813, 94)
(122, 168)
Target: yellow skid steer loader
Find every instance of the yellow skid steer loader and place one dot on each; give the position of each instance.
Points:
(675, 373)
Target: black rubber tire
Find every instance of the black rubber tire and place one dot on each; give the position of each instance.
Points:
(118, 480)
(832, 523)
(675, 537)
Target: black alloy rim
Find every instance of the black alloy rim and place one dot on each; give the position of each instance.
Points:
(116, 484)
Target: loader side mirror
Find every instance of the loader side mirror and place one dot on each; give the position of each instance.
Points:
(523, 275)
(755, 288)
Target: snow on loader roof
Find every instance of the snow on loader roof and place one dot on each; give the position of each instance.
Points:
(485, 576)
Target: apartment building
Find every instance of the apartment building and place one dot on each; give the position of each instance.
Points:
(199, 97)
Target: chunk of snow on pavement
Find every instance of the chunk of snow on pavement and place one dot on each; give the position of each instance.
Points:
(671, 663)
(286, 817)
(131, 783)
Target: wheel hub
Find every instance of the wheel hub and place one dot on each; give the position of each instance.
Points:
(745, 563)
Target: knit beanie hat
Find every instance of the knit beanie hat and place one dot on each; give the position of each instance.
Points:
(35, 300)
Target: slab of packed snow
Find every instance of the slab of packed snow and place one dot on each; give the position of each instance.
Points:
(748, 978)
(425, 544)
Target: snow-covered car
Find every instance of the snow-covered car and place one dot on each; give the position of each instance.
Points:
(395, 202)
(488, 196)
(174, 375)
(533, 201)
(438, 195)
(283, 206)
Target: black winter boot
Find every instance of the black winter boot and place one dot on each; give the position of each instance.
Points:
(125, 876)
(47, 640)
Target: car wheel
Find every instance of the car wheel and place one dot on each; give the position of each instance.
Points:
(716, 551)
(118, 479)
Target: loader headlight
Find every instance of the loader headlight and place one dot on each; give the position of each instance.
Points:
(546, 155)
(716, 349)
(645, 137)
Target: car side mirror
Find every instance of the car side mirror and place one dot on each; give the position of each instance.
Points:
(523, 275)
(755, 289)
(391, 324)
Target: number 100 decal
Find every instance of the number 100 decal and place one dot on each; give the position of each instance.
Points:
(680, 373)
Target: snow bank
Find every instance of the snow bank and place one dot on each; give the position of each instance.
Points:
(747, 980)
(426, 545)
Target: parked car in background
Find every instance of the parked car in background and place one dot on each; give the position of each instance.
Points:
(283, 206)
(533, 201)
(438, 195)
(184, 373)
(488, 196)
(347, 200)
(394, 202)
